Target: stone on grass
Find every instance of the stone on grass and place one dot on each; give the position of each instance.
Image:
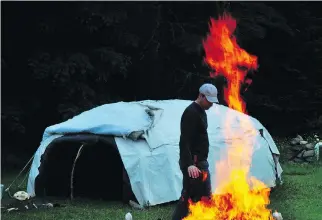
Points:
(309, 146)
(308, 153)
(277, 216)
(128, 216)
(296, 148)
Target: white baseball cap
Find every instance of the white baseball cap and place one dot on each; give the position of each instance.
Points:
(210, 91)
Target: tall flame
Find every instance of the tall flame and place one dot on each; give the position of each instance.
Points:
(225, 56)
(237, 196)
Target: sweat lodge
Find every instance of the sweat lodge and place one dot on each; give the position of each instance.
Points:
(130, 151)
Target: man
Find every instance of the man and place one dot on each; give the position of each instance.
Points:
(194, 148)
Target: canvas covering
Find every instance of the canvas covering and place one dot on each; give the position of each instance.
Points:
(152, 162)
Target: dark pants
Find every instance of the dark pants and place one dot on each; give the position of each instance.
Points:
(194, 189)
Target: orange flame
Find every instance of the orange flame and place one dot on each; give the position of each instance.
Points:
(237, 196)
(225, 56)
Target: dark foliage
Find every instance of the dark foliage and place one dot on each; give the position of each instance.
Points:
(61, 58)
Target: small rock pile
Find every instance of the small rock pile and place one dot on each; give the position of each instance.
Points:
(301, 150)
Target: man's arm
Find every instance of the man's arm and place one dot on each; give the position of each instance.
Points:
(188, 125)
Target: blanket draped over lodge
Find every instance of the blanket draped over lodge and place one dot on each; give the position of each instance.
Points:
(152, 161)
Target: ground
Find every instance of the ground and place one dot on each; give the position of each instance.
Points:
(299, 198)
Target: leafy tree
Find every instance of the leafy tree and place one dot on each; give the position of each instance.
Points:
(62, 58)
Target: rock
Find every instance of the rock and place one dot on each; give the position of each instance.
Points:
(128, 216)
(309, 146)
(299, 137)
(21, 195)
(300, 155)
(135, 205)
(310, 159)
(296, 148)
(277, 216)
(303, 142)
(296, 140)
(308, 153)
(300, 160)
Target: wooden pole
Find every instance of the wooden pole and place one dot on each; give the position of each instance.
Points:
(72, 173)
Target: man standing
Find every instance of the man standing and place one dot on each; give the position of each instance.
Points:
(194, 148)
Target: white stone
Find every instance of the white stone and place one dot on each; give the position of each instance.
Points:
(21, 195)
(277, 216)
(128, 216)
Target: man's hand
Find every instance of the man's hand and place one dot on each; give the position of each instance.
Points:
(193, 171)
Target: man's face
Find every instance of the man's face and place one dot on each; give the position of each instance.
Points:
(205, 103)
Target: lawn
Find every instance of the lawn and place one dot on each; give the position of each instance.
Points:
(299, 198)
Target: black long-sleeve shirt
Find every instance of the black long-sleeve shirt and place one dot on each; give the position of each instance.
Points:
(194, 136)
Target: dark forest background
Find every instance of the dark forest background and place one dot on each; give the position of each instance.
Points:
(59, 59)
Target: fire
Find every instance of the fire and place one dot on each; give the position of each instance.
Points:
(237, 196)
(225, 56)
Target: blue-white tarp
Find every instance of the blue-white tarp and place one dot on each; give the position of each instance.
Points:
(152, 163)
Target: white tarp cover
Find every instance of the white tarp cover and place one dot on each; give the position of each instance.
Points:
(152, 164)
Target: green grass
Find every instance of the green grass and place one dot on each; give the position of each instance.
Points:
(299, 198)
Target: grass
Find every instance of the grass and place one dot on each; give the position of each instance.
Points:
(299, 198)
